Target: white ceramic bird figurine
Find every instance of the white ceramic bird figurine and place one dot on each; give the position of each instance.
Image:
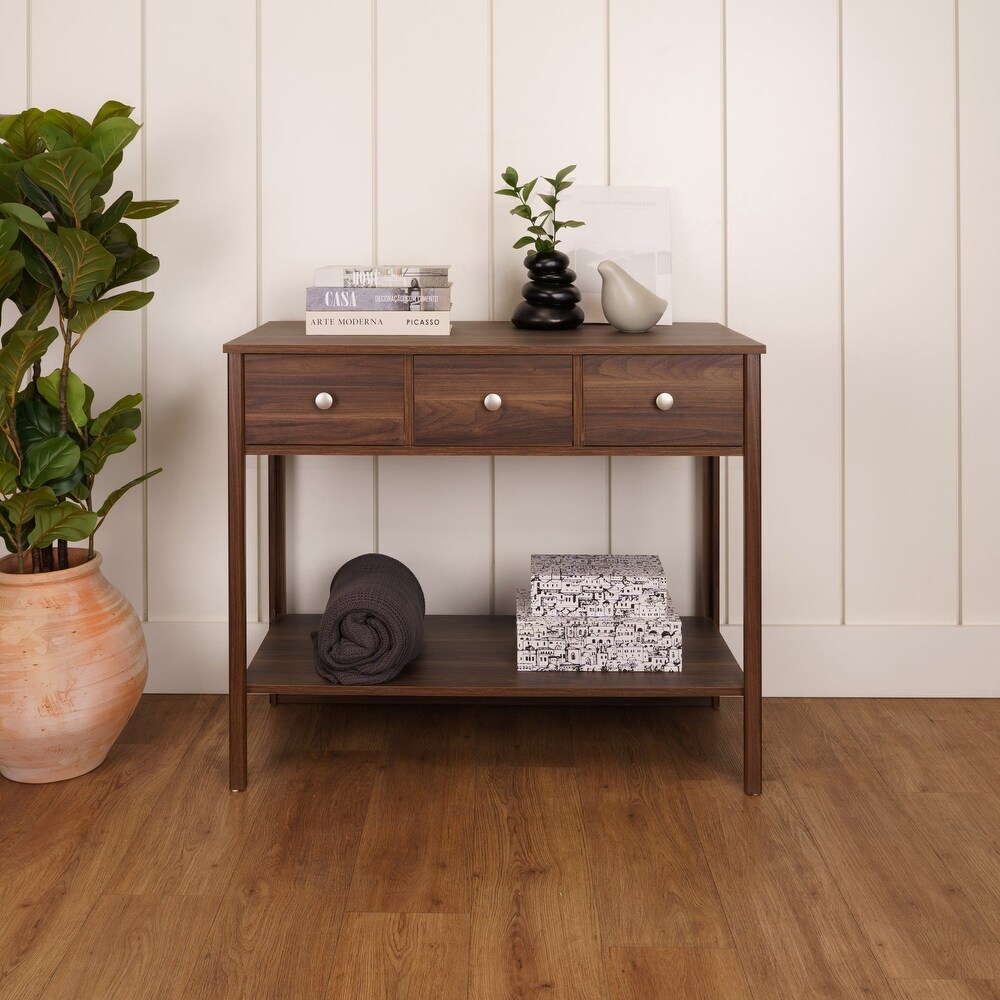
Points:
(628, 306)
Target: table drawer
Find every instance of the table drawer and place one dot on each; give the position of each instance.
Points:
(620, 400)
(536, 400)
(281, 406)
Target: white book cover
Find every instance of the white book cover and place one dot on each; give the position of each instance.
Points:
(629, 225)
(380, 322)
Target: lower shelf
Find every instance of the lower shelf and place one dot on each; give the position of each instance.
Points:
(474, 656)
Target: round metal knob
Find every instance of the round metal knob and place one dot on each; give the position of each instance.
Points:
(324, 401)
(492, 402)
(664, 401)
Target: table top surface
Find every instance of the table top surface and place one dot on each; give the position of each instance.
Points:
(494, 337)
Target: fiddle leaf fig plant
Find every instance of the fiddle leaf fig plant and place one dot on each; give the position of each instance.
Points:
(543, 228)
(65, 253)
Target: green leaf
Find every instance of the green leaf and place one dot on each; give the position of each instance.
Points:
(147, 209)
(67, 484)
(552, 181)
(42, 200)
(8, 233)
(36, 421)
(522, 211)
(24, 214)
(572, 224)
(21, 507)
(107, 176)
(78, 128)
(64, 521)
(88, 313)
(565, 172)
(102, 420)
(104, 447)
(509, 176)
(71, 175)
(22, 350)
(53, 458)
(111, 216)
(112, 109)
(9, 191)
(121, 240)
(538, 230)
(109, 137)
(21, 132)
(137, 267)
(38, 268)
(8, 477)
(48, 388)
(528, 188)
(523, 242)
(508, 191)
(11, 269)
(35, 314)
(551, 200)
(56, 138)
(117, 494)
(52, 247)
(91, 264)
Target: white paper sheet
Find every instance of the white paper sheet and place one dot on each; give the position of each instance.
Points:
(629, 225)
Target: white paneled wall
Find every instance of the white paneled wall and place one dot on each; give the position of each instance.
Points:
(833, 170)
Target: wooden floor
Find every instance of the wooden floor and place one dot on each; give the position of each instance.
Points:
(508, 852)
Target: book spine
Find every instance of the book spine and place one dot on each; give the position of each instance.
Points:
(374, 299)
(386, 323)
(390, 276)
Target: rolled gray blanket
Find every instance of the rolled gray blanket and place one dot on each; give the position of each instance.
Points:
(373, 624)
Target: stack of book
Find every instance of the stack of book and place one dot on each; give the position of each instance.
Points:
(387, 299)
(597, 612)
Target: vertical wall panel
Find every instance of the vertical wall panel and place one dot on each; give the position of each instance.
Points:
(979, 152)
(545, 505)
(900, 311)
(784, 287)
(434, 201)
(434, 515)
(110, 357)
(13, 84)
(201, 148)
(666, 129)
(549, 110)
(13, 66)
(316, 209)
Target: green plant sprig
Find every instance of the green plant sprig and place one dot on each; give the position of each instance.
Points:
(543, 227)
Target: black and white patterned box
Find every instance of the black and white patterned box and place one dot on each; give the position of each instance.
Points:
(598, 586)
(555, 642)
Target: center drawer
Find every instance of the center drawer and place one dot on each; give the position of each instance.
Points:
(492, 400)
(317, 399)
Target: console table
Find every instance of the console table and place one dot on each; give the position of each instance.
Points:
(489, 389)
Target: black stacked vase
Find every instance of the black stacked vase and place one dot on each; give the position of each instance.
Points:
(550, 297)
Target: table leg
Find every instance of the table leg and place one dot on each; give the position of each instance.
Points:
(751, 578)
(277, 589)
(237, 582)
(710, 544)
(276, 537)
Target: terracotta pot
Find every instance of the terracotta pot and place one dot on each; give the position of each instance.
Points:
(72, 668)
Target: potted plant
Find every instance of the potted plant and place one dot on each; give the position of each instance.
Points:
(550, 296)
(72, 652)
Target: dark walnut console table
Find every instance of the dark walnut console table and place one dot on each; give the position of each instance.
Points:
(687, 389)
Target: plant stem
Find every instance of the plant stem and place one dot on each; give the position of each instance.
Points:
(63, 554)
(64, 374)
